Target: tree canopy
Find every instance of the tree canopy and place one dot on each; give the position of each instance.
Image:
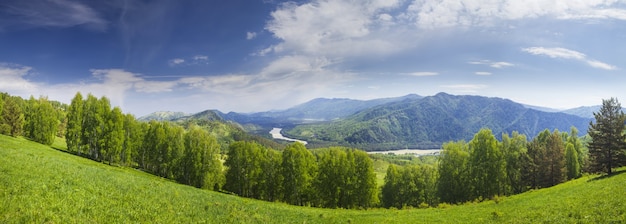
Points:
(608, 140)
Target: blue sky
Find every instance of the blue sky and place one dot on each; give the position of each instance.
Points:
(249, 56)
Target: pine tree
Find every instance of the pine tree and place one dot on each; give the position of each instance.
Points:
(608, 139)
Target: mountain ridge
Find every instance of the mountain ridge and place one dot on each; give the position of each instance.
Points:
(432, 120)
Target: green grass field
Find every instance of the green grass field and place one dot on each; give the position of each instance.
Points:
(39, 184)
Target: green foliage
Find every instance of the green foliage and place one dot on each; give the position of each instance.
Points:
(571, 162)
(243, 175)
(487, 166)
(545, 166)
(12, 116)
(42, 185)
(410, 186)
(73, 134)
(428, 122)
(515, 152)
(345, 179)
(299, 169)
(454, 176)
(608, 139)
(200, 166)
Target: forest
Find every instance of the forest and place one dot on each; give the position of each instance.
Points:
(483, 168)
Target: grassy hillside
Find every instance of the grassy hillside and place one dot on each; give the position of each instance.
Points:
(39, 184)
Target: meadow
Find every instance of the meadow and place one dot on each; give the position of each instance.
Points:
(43, 184)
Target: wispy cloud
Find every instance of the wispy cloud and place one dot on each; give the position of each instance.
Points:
(564, 53)
(13, 79)
(482, 73)
(493, 64)
(251, 35)
(52, 13)
(195, 60)
(418, 74)
(176, 61)
(466, 13)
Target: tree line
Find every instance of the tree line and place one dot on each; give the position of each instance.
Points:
(485, 168)
(333, 177)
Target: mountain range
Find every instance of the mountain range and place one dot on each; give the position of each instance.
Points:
(411, 121)
(430, 121)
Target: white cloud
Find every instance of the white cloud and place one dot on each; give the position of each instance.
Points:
(496, 64)
(482, 73)
(422, 74)
(13, 80)
(200, 58)
(466, 13)
(563, 53)
(501, 64)
(600, 65)
(52, 13)
(333, 28)
(251, 35)
(176, 61)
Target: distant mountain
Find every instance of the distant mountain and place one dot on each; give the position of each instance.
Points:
(207, 115)
(316, 110)
(585, 111)
(428, 122)
(544, 109)
(163, 116)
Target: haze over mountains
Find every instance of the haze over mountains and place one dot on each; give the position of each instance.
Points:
(409, 121)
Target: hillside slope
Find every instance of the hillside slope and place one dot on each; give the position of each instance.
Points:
(39, 184)
(430, 121)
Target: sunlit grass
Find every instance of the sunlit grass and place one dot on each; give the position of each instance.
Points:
(39, 184)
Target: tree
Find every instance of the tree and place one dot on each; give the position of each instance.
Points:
(42, 120)
(608, 139)
(487, 166)
(554, 161)
(391, 188)
(298, 168)
(74, 124)
(571, 161)
(581, 152)
(244, 168)
(333, 180)
(12, 117)
(365, 189)
(272, 179)
(453, 184)
(91, 130)
(514, 149)
(200, 165)
(114, 136)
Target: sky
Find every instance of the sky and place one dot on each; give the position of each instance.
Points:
(251, 56)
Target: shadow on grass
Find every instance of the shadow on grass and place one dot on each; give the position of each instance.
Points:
(615, 173)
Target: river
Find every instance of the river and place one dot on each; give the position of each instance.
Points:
(275, 132)
(416, 152)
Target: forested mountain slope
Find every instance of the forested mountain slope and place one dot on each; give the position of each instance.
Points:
(430, 121)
